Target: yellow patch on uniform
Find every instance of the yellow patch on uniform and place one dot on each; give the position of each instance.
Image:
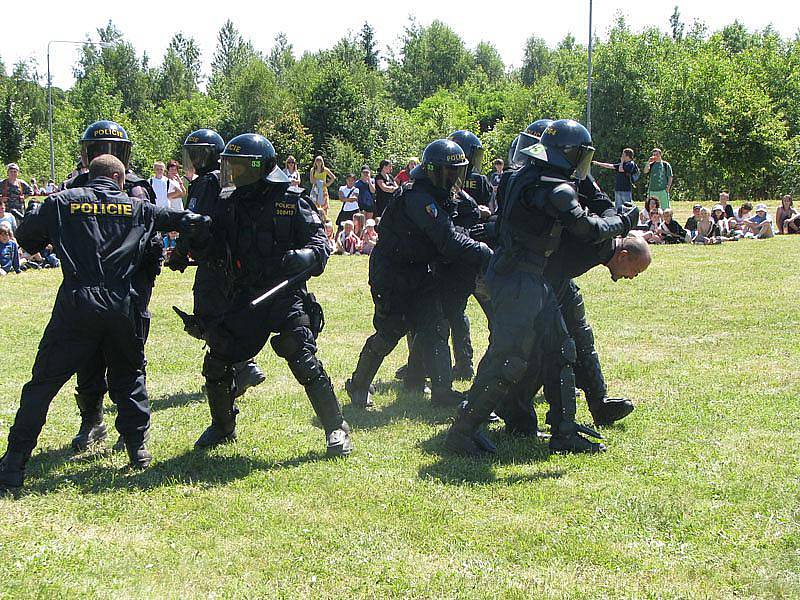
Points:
(285, 209)
(111, 209)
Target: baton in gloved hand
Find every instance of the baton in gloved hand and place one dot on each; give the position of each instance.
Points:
(302, 275)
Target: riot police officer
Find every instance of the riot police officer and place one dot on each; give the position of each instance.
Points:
(201, 152)
(108, 137)
(98, 233)
(264, 232)
(415, 230)
(540, 203)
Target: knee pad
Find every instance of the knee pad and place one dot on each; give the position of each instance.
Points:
(568, 352)
(288, 343)
(306, 368)
(584, 338)
(216, 370)
(381, 345)
(513, 369)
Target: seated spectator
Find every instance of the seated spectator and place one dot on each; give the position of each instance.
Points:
(7, 218)
(369, 238)
(743, 213)
(330, 236)
(724, 198)
(691, 222)
(402, 176)
(291, 171)
(9, 251)
(707, 230)
(14, 190)
(651, 204)
(170, 243)
(348, 194)
(671, 230)
(359, 222)
(758, 226)
(50, 188)
(347, 242)
(50, 258)
(785, 213)
(653, 233)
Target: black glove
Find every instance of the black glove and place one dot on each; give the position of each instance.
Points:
(630, 216)
(483, 232)
(196, 227)
(296, 261)
(177, 261)
(486, 255)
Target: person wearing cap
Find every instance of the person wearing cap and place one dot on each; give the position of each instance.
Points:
(760, 225)
(691, 222)
(369, 237)
(13, 190)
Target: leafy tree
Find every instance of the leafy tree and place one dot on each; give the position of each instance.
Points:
(676, 25)
(289, 136)
(281, 56)
(231, 55)
(16, 131)
(366, 40)
(179, 75)
(488, 59)
(536, 61)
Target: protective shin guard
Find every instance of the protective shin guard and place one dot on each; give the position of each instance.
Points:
(465, 437)
(566, 437)
(221, 404)
(93, 429)
(369, 361)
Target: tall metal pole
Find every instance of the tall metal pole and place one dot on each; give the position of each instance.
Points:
(589, 85)
(50, 97)
(50, 116)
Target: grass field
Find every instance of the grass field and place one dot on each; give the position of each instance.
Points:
(697, 496)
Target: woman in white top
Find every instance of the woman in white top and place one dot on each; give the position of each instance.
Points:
(291, 171)
(348, 194)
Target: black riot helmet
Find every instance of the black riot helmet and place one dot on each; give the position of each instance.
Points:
(201, 151)
(529, 137)
(249, 158)
(566, 146)
(512, 151)
(471, 146)
(105, 137)
(444, 164)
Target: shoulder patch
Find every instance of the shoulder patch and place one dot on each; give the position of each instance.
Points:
(432, 211)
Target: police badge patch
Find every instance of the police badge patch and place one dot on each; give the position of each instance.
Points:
(432, 210)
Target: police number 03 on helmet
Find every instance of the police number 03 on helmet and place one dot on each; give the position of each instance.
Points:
(249, 158)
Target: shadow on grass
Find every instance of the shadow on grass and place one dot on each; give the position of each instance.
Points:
(458, 470)
(177, 399)
(408, 405)
(192, 468)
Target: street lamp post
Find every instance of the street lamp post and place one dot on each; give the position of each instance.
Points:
(589, 84)
(50, 96)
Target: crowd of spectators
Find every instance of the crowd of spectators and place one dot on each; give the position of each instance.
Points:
(719, 224)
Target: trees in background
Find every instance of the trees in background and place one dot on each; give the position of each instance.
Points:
(724, 106)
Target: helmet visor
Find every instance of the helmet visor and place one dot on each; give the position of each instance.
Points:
(476, 160)
(525, 140)
(198, 157)
(581, 156)
(239, 171)
(447, 177)
(91, 149)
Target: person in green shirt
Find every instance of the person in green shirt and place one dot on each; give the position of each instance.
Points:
(660, 178)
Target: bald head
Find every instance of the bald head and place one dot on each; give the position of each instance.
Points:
(107, 165)
(631, 257)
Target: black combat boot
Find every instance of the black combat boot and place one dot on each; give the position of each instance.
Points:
(223, 415)
(138, 454)
(465, 436)
(92, 429)
(436, 353)
(359, 386)
(247, 374)
(326, 406)
(565, 431)
(12, 471)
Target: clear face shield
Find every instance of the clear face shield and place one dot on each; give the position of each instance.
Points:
(476, 162)
(449, 177)
(240, 171)
(525, 140)
(92, 149)
(197, 158)
(583, 161)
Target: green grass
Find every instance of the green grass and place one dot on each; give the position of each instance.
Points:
(696, 497)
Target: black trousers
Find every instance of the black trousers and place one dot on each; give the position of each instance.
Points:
(87, 323)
